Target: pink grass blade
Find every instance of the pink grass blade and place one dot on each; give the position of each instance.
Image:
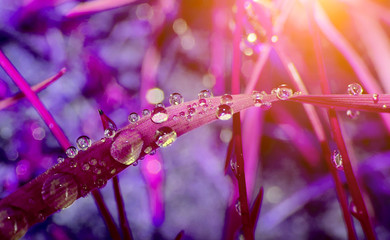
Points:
(364, 102)
(114, 233)
(123, 222)
(338, 137)
(255, 212)
(5, 103)
(247, 228)
(371, 7)
(95, 6)
(360, 68)
(145, 130)
(33, 98)
(49, 120)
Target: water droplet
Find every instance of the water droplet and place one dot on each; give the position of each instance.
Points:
(41, 217)
(238, 207)
(165, 136)
(257, 98)
(59, 191)
(352, 114)
(60, 159)
(191, 111)
(97, 171)
(102, 163)
(152, 152)
(354, 210)
(85, 167)
(100, 183)
(375, 97)
(72, 163)
(266, 105)
(202, 102)
(297, 93)
(337, 160)
(145, 112)
(159, 115)
(84, 190)
(283, 92)
(71, 152)
(194, 105)
(189, 118)
(135, 163)
(148, 149)
(83, 142)
(113, 171)
(224, 112)
(176, 99)
(205, 94)
(109, 133)
(274, 91)
(93, 162)
(127, 147)
(355, 89)
(227, 99)
(13, 223)
(182, 114)
(133, 117)
(234, 166)
(174, 117)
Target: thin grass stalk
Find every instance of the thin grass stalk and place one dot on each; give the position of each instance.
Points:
(255, 212)
(114, 233)
(247, 227)
(91, 7)
(123, 222)
(337, 135)
(36, 88)
(49, 120)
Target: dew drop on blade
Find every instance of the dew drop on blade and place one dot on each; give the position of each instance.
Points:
(191, 111)
(165, 136)
(127, 147)
(337, 160)
(266, 105)
(60, 159)
(176, 99)
(238, 207)
(13, 223)
(224, 112)
(71, 152)
(375, 97)
(93, 162)
(133, 117)
(59, 191)
(227, 99)
(83, 142)
(355, 89)
(109, 133)
(205, 94)
(284, 93)
(159, 115)
(203, 102)
(353, 114)
(145, 112)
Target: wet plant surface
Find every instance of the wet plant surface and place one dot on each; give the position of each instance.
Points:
(194, 119)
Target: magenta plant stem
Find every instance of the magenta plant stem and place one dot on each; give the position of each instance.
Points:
(337, 135)
(33, 98)
(245, 215)
(49, 120)
(106, 215)
(123, 222)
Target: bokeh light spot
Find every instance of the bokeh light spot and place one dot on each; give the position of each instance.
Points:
(251, 37)
(180, 26)
(153, 166)
(154, 95)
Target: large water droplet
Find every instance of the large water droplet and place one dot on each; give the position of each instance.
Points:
(257, 98)
(13, 223)
(337, 160)
(127, 147)
(176, 99)
(353, 114)
(375, 97)
(109, 133)
(227, 99)
(59, 191)
(355, 89)
(71, 152)
(238, 207)
(165, 136)
(283, 92)
(205, 94)
(159, 115)
(83, 142)
(133, 117)
(224, 112)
